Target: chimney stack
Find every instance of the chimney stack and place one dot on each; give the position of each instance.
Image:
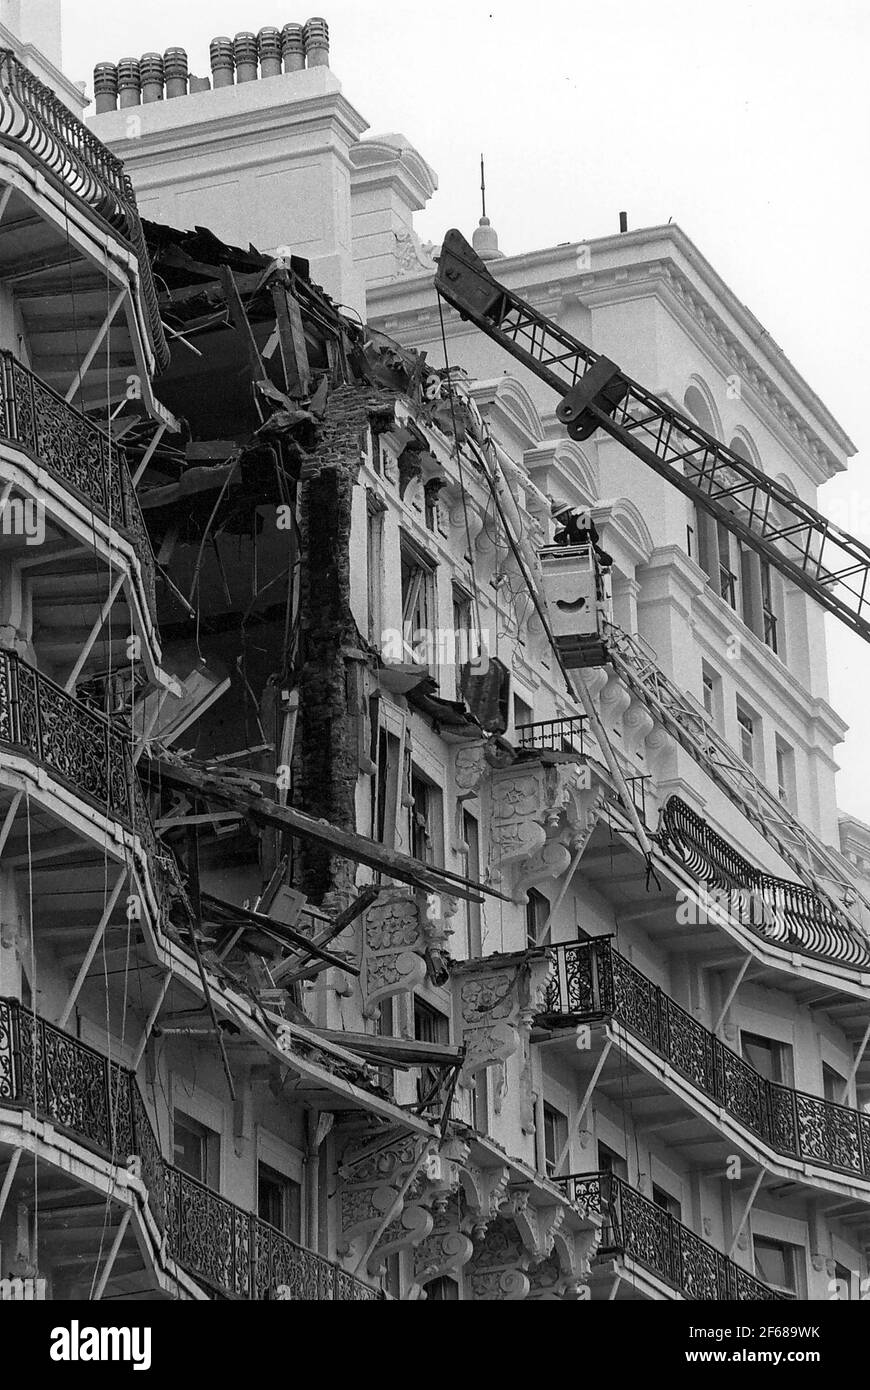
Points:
(245, 55)
(151, 75)
(222, 62)
(316, 33)
(269, 49)
(129, 85)
(175, 72)
(106, 87)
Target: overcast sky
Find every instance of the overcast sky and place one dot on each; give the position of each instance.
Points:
(747, 123)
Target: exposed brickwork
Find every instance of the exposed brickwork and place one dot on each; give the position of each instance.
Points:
(326, 755)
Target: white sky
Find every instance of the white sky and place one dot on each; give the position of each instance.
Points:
(747, 123)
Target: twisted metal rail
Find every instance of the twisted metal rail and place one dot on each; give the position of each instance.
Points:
(636, 1227)
(592, 981)
(36, 123)
(81, 1092)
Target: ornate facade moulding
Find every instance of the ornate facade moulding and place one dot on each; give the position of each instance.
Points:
(495, 1002)
(543, 813)
(400, 931)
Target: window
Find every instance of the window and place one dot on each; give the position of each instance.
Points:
(767, 609)
(707, 683)
(843, 1277)
(667, 1203)
(523, 713)
(375, 567)
(690, 541)
(464, 647)
(785, 772)
(480, 1101)
(418, 606)
(727, 577)
(196, 1149)
(833, 1084)
(537, 912)
(424, 820)
(773, 1059)
(389, 783)
(746, 728)
(555, 1138)
(776, 1263)
(443, 1290)
(279, 1201)
(609, 1161)
(711, 694)
(430, 1026)
(471, 865)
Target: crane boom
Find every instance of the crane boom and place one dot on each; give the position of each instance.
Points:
(816, 555)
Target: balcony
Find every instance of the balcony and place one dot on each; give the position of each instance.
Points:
(98, 1103)
(776, 909)
(35, 123)
(593, 981)
(641, 1231)
(77, 454)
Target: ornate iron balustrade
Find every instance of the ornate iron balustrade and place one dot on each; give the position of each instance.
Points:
(36, 123)
(555, 735)
(775, 908)
(593, 981)
(636, 1227)
(80, 1091)
(77, 452)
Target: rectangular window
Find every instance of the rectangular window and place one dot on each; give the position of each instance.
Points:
(537, 912)
(609, 1161)
(425, 838)
(834, 1084)
(430, 1026)
(523, 713)
(777, 1264)
(747, 732)
(388, 787)
(773, 1059)
(785, 786)
(418, 607)
(727, 577)
(471, 865)
(767, 608)
(711, 694)
(196, 1149)
(667, 1203)
(375, 568)
(555, 1138)
(279, 1201)
(464, 646)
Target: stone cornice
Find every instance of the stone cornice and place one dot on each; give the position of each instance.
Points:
(541, 275)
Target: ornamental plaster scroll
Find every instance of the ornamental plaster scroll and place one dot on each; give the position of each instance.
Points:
(484, 1191)
(469, 768)
(497, 1273)
(537, 1225)
(542, 813)
(445, 1251)
(496, 1007)
(398, 929)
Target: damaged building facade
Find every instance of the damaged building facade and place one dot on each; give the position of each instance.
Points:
(342, 955)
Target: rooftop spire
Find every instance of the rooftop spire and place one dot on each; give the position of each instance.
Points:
(485, 238)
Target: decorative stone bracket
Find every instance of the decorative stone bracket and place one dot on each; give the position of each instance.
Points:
(496, 1000)
(542, 814)
(398, 930)
(374, 1184)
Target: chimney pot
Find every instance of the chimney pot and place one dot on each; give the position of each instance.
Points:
(269, 49)
(316, 43)
(106, 87)
(293, 47)
(175, 72)
(151, 75)
(129, 82)
(222, 62)
(245, 54)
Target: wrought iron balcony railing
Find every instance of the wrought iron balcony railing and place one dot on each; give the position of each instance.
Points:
(566, 735)
(775, 908)
(45, 132)
(77, 453)
(593, 981)
(99, 1103)
(639, 1229)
